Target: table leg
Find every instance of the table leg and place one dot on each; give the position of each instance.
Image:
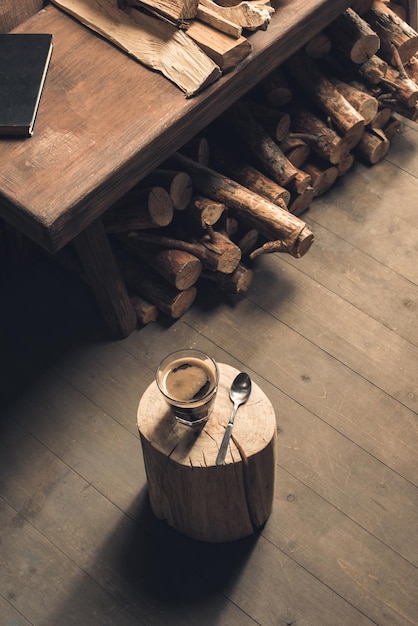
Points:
(103, 276)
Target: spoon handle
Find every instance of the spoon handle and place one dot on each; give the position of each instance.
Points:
(220, 459)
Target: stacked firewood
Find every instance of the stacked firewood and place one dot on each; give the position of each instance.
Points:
(191, 42)
(238, 191)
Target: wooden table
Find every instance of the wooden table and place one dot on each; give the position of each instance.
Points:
(105, 122)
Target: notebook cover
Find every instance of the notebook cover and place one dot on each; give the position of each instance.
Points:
(24, 61)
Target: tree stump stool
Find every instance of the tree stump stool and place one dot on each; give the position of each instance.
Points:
(205, 501)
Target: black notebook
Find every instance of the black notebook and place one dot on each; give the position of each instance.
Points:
(24, 61)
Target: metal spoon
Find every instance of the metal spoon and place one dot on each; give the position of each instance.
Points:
(239, 393)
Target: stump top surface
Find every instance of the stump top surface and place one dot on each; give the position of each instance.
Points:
(254, 426)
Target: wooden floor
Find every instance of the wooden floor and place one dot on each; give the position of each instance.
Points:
(330, 338)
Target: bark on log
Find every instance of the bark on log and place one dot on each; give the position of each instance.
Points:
(177, 184)
(269, 219)
(322, 140)
(216, 251)
(205, 211)
(300, 183)
(353, 36)
(411, 68)
(374, 146)
(141, 279)
(248, 176)
(373, 70)
(145, 311)
(261, 144)
(179, 268)
(363, 102)
(296, 149)
(140, 209)
(392, 30)
(318, 87)
(156, 43)
(404, 89)
(238, 282)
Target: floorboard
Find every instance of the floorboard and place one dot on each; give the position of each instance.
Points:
(331, 339)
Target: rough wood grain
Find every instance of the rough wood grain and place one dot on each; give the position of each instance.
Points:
(154, 42)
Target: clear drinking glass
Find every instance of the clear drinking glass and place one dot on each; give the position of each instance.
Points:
(188, 381)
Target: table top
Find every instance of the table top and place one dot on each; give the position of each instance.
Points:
(105, 121)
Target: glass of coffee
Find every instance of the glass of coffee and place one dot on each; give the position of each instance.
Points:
(188, 380)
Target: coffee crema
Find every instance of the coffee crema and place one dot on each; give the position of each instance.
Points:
(187, 380)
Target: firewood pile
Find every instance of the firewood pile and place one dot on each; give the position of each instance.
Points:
(238, 191)
(191, 42)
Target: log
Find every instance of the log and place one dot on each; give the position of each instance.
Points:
(260, 143)
(345, 164)
(156, 43)
(322, 140)
(411, 68)
(270, 220)
(392, 128)
(180, 464)
(224, 50)
(366, 104)
(276, 88)
(248, 176)
(246, 240)
(318, 87)
(275, 121)
(140, 208)
(216, 251)
(238, 282)
(319, 46)
(373, 147)
(142, 280)
(353, 36)
(404, 88)
(382, 117)
(295, 149)
(177, 10)
(205, 211)
(197, 149)
(248, 15)
(179, 268)
(177, 184)
(373, 70)
(299, 203)
(145, 311)
(393, 31)
(300, 183)
(323, 175)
